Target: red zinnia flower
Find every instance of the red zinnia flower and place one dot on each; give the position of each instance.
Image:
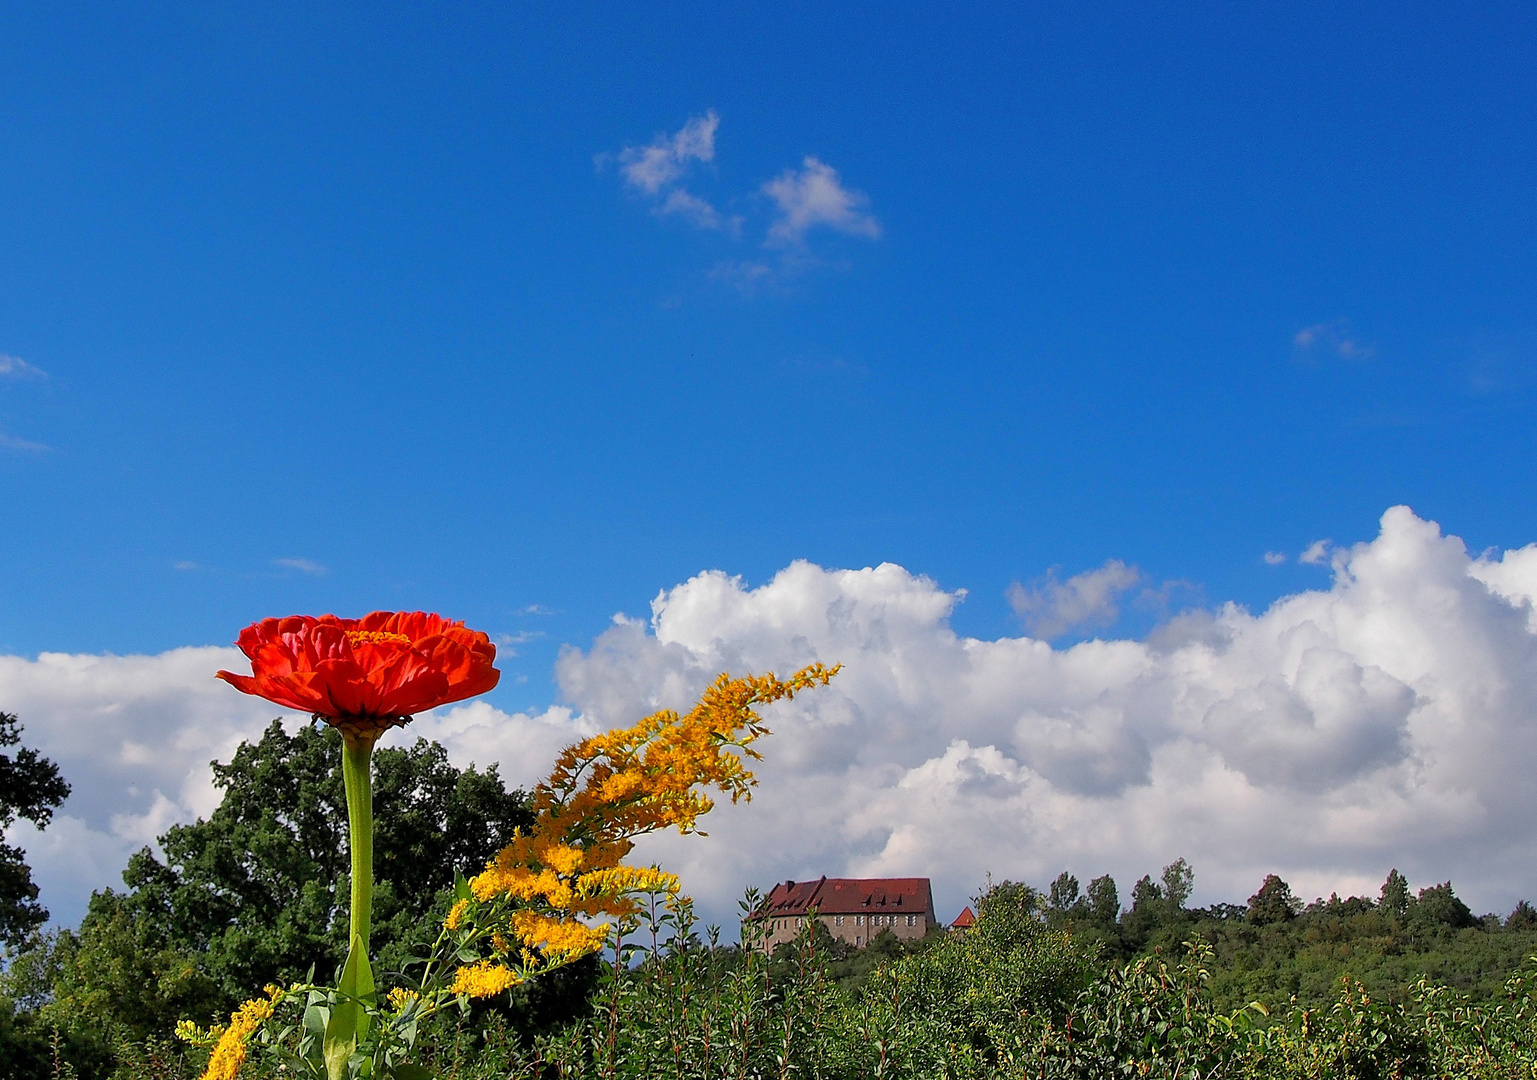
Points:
(379, 669)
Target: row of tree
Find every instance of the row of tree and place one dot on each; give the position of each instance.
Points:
(1158, 904)
(1276, 947)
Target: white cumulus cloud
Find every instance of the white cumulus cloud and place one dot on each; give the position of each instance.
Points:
(1389, 719)
(1334, 338)
(658, 168)
(690, 208)
(134, 736)
(1316, 553)
(25, 446)
(813, 196)
(798, 200)
(14, 367)
(1050, 607)
(666, 158)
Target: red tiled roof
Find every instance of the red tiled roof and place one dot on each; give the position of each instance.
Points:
(847, 896)
(963, 920)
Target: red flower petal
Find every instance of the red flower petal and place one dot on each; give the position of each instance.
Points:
(274, 691)
(325, 665)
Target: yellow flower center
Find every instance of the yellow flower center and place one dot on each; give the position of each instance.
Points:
(376, 637)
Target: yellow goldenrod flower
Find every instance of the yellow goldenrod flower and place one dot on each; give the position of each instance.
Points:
(560, 940)
(484, 979)
(610, 788)
(547, 885)
(562, 858)
(227, 1057)
(618, 880)
(189, 1032)
(537, 904)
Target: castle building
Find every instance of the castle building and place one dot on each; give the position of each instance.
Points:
(854, 910)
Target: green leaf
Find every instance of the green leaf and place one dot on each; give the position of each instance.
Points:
(348, 1022)
(462, 887)
(315, 1019)
(404, 1071)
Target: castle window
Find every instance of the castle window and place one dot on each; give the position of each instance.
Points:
(837, 920)
(912, 920)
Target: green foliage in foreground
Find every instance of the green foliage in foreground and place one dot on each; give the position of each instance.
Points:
(1056, 984)
(254, 894)
(1011, 997)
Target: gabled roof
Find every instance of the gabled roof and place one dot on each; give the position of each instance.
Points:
(848, 896)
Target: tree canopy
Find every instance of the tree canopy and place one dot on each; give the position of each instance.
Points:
(30, 788)
(257, 892)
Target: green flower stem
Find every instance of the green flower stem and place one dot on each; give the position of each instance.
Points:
(357, 752)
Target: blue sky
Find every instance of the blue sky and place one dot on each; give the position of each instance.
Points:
(356, 307)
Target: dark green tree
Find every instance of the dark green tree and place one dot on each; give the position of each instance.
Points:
(1019, 900)
(1064, 894)
(1274, 903)
(121, 973)
(1439, 906)
(1394, 900)
(1104, 900)
(257, 893)
(1523, 917)
(30, 788)
(1145, 895)
(1178, 882)
(1149, 911)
